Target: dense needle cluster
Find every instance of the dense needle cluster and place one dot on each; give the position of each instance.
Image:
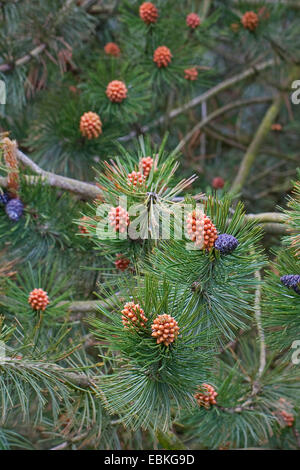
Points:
(165, 329)
(116, 91)
(38, 299)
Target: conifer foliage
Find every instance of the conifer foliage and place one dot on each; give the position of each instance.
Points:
(149, 225)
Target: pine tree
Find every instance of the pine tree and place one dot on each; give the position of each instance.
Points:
(149, 225)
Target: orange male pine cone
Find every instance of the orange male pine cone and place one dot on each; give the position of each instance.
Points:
(285, 414)
(201, 230)
(145, 165)
(38, 299)
(90, 125)
(250, 20)
(133, 315)
(165, 329)
(162, 56)
(121, 262)
(148, 13)
(191, 74)
(116, 91)
(119, 219)
(276, 127)
(111, 48)
(193, 20)
(206, 395)
(82, 228)
(136, 178)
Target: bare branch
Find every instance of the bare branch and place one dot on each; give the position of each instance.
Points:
(205, 96)
(257, 312)
(253, 149)
(217, 113)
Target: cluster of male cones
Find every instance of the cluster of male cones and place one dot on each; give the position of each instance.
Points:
(116, 90)
(118, 216)
(164, 327)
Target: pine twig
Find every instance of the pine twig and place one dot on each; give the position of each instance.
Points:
(203, 97)
(257, 312)
(265, 217)
(215, 114)
(23, 60)
(77, 379)
(86, 190)
(242, 144)
(255, 145)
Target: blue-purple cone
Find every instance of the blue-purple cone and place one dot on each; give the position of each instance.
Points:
(14, 209)
(4, 198)
(226, 243)
(292, 281)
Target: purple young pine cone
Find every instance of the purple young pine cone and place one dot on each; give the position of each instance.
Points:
(292, 281)
(226, 243)
(14, 209)
(4, 198)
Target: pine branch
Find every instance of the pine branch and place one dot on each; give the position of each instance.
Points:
(203, 97)
(80, 308)
(240, 144)
(81, 188)
(272, 221)
(77, 379)
(38, 50)
(264, 217)
(215, 114)
(257, 312)
(255, 145)
(205, 8)
(23, 60)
